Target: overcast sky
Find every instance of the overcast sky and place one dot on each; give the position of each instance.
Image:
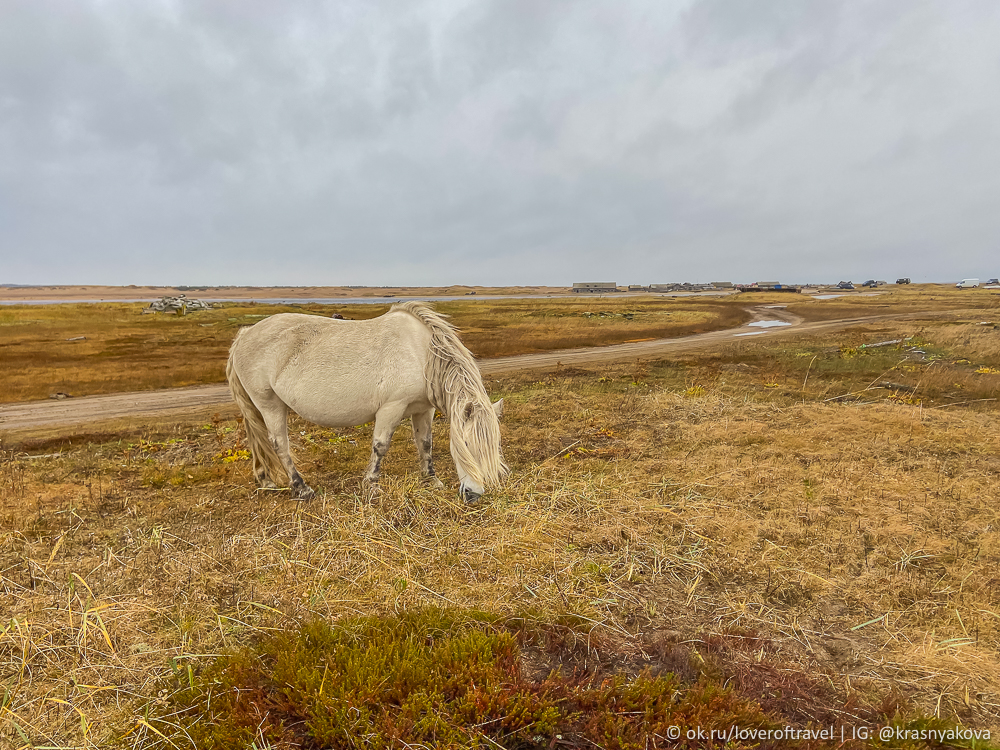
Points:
(498, 142)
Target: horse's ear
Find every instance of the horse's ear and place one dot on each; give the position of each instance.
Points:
(498, 408)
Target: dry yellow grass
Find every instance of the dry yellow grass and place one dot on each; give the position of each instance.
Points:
(107, 348)
(935, 364)
(895, 299)
(493, 329)
(83, 349)
(859, 540)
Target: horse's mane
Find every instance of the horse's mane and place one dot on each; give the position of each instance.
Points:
(456, 387)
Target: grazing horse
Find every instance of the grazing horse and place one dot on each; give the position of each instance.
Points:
(341, 373)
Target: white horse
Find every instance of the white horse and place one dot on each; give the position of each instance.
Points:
(341, 373)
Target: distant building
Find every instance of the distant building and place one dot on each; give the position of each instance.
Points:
(768, 286)
(594, 287)
(684, 287)
(637, 288)
(722, 284)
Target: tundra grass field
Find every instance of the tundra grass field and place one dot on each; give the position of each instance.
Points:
(86, 349)
(798, 533)
(83, 349)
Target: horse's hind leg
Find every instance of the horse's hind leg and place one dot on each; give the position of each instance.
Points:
(422, 436)
(275, 415)
(260, 474)
(386, 421)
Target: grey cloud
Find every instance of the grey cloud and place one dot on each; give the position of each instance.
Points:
(497, 142)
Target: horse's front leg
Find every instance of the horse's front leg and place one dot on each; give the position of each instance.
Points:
(422, 437)
(276, 418)
(387, 419)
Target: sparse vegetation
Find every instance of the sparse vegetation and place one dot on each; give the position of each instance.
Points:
(84, 349)
(439, 679)
(87, 349)
(764, 518)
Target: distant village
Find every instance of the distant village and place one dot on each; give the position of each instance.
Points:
(610, 287)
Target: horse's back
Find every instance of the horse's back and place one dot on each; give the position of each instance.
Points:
(335, 372)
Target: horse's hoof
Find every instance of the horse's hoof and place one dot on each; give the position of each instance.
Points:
(470, 497)
(266, 484)
(434, 483)
(305, 494)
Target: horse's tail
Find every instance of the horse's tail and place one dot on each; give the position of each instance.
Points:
(456, 388)
(261, 449)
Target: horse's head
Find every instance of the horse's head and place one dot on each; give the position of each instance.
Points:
(475, 446)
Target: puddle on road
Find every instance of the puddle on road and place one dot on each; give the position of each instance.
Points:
(768, 324)
(750, 333)
(834, 296)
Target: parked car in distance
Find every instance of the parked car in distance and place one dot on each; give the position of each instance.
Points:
(967, 284)
(870, 282)
(904, 280)
(993, 281)
(845, 285)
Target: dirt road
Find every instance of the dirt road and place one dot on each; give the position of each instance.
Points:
(768, 322)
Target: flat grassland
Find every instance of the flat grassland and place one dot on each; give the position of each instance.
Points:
(86, 349)
(798, 532)
(93, 293)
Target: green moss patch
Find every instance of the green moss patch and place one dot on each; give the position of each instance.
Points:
(449, 679)
(437, 679)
